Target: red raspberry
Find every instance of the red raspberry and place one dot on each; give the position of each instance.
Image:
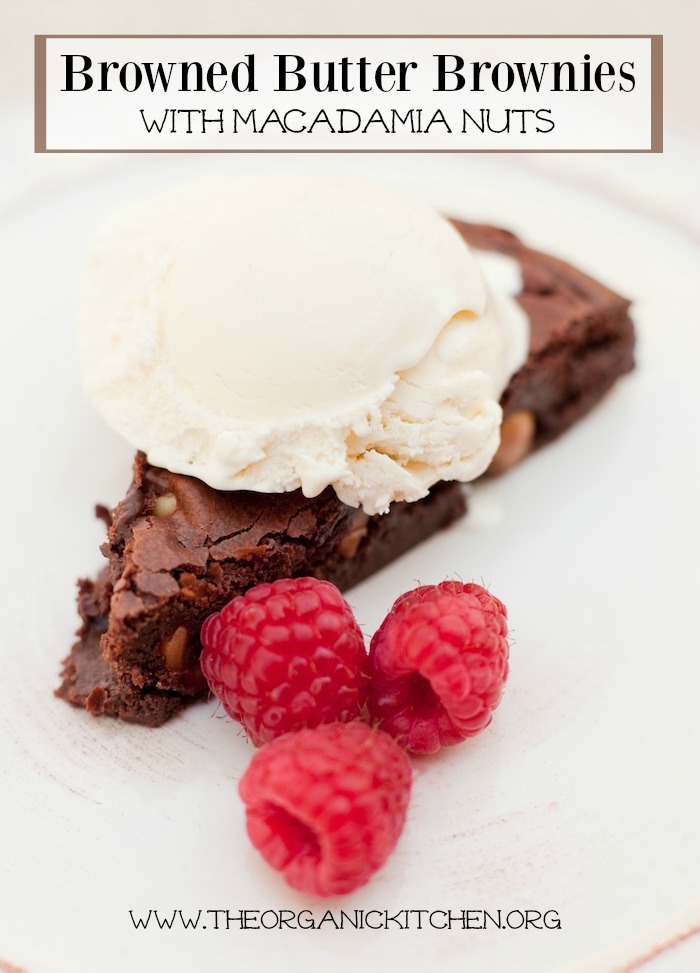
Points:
(284, 656)
(438, 665)
(326, 806)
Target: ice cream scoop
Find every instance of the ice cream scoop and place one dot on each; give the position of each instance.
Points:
(294, 331)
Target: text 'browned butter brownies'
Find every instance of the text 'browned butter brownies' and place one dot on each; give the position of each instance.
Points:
(309, 367)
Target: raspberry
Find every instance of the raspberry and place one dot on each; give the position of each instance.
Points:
(326, 806)
(438, 664)
(284, 656)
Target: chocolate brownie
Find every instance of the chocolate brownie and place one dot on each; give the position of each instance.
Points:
(581, 342)
(178, 550)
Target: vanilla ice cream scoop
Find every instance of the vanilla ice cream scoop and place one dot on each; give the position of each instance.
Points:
(299, 331)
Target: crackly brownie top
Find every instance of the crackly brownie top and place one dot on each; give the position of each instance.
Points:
(169, 524)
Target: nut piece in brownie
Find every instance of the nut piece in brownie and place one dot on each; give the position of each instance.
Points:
(178, 550)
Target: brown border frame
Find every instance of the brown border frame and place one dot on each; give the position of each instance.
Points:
(656, 108)
(40, 93)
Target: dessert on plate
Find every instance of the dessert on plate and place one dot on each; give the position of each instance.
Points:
(309, 367)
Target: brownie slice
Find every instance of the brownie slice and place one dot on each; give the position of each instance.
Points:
(178, 550)
(581, 342)
(90, 681)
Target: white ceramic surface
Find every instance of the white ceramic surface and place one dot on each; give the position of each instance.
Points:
(582, 796)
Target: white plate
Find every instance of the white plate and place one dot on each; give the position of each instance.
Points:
(582, 796)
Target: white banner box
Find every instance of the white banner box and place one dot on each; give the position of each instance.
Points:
(348, 94)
